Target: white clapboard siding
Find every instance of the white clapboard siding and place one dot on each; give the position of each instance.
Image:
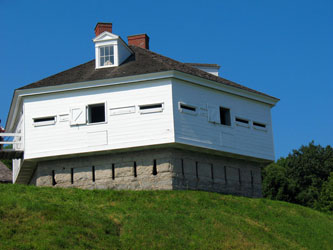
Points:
(205, 130)
(128, 128)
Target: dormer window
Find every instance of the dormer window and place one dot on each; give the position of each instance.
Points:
(106, 55)
(110, 49)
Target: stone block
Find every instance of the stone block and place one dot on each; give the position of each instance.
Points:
(124, 169)
(62, 176)
(232, 175)
(189, 167)
(204, 170)
(103, 172)
(83, 176)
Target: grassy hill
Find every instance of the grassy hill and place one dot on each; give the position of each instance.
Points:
(48, 218)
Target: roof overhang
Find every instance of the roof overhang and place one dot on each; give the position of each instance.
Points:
(19, 94)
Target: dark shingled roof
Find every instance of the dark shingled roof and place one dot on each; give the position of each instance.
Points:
(5, 174)
(204, 65)
(141, 62)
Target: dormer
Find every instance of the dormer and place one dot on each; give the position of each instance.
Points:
(110, 49)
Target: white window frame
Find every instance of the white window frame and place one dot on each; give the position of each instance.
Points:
(151, 110)
(258, 127)
(99, 55)
(230, 113)
(115, 55)
(242, 124)
(187, 111)
(44, 123)
(105, 113)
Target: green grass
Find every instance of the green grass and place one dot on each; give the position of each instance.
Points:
(54, 218)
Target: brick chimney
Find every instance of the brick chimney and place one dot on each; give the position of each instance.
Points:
(101, 27)
(141, 40)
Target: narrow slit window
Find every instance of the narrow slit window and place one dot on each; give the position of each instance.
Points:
(155, 168)
(96, 113)
(48, 120)
(239, 177)
(72, 175)
(134, 169)
(225, 116)
(251, 178)
(113, 172)
(225, 174)
(196, 170)
(212, 171)
(183, 172)
(189, 109)
(151, 108)
(53, 178)
(261, 125)
(242, 120)
(93, 173)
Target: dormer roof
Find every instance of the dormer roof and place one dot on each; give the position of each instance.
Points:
(105, 36)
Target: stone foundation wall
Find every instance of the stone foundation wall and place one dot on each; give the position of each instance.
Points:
(159, 169)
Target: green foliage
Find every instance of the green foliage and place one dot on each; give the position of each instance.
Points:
(300, 177)
(56, 218)
(325, 201)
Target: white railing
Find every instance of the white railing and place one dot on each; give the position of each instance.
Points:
(15, 139)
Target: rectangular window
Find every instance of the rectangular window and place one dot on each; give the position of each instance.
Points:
(257, 124)
(225, 116)
(42, 121)
(106, 55)
(151, 108)
(242, 120)
(188, 109)
(96, 113)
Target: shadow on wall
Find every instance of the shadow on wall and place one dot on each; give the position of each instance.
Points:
(154, 170)
(5, 174)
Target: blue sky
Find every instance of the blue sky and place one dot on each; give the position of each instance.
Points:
(282, 48)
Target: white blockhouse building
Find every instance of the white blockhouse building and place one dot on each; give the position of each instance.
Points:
(134, 119)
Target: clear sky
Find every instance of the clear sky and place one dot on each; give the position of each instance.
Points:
(282, 48)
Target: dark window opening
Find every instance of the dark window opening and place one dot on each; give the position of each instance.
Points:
(113, 174)
(72, 175)
(134, 169)
(196, 170)
(242, 121)
(259, 124)
(151, 106)
(183, 172)
(44, 119)
(239, 177)
(96, 113)
(187, 107)
(93, 173)
(251, 179)
(225, 174)
(53, 178)
(212, 171)
(225, 116)
(154, 168)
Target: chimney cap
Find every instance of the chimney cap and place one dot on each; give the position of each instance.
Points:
(101, 27)
(139, 40)
(102, 23)
(138, 35)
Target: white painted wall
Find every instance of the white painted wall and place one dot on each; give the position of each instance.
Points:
(129, 129)
(198, 131)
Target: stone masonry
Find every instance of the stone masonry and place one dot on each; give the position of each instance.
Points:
(154, 169)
